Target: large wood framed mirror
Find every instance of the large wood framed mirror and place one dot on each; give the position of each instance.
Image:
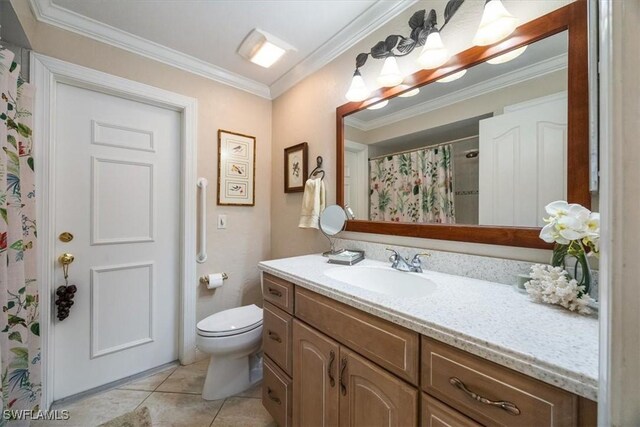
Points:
(474, 159)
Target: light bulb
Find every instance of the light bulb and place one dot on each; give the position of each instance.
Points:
(452, 77)
(358, 90)
(506, 57)
(410, 93)
(390, 74)
(379, 105)
(496, 24)
(433, 54)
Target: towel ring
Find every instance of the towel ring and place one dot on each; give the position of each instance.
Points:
(318, 168)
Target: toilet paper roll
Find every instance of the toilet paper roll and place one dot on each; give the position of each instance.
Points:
(215, 280)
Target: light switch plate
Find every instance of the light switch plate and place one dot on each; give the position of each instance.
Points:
(222, 221)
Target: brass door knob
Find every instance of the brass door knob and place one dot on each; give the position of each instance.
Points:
(66, 259)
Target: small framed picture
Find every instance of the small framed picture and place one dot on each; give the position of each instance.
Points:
(236, 169)
(295, 168)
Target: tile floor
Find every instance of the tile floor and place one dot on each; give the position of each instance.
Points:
(173, 398)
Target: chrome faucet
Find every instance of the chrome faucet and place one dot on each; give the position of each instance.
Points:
(402, 264)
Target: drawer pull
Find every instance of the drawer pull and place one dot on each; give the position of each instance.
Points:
(274, 336)
(343, 367)
(272, 396)
(332, 358)
(275, 292)
(507, 406)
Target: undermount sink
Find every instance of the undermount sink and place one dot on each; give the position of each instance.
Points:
(384, 280)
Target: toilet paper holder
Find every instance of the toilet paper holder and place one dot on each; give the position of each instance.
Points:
(205, 279)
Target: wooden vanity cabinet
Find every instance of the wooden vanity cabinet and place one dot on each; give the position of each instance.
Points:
(315, 371)
(336, 386)
(329, 364)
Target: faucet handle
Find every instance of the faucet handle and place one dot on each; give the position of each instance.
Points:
(394, 256)
(416, 257)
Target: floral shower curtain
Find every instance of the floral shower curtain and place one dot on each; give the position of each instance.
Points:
(20, 337)
(413, 187)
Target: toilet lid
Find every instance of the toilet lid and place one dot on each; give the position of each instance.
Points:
(231, 322)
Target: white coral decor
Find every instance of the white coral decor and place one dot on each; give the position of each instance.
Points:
(553, 285)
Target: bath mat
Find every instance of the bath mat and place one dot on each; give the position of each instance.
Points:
(138, 418)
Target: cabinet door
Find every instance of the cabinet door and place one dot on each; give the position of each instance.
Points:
(370, 396)
(315, 378)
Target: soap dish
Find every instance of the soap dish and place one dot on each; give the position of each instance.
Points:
(346, 257)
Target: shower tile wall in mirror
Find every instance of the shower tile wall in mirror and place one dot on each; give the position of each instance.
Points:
(487, 146)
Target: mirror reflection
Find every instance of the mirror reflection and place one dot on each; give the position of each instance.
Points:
(487, 145)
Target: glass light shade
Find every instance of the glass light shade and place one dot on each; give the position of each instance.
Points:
(408, 94)
(379, 105)
(506, 57)
(496, 24)
(390, 74)
(452, 77)
(358, 90)
(433, 54)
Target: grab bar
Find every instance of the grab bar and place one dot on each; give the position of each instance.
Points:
(202, 253)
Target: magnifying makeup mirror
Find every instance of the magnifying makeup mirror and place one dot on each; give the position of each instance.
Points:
(332, 221)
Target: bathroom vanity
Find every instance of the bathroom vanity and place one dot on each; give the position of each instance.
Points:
(339, 354)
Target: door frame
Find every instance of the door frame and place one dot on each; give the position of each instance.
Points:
(46, 73)
(362, 153)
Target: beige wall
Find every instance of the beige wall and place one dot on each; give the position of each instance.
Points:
(307, 113)
(246, 241)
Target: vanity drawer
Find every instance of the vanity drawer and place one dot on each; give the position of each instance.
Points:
(276, 393)
(437, 414)
(389, 345)
(447, 372)
(276, 336)
(278, 292)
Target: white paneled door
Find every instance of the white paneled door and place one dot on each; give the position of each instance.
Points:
(117, 191)
(523, 162)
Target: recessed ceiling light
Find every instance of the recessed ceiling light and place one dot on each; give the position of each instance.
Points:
(379, 105)
(410, 93)
(262, 48)
(452, 77)
(506, 57)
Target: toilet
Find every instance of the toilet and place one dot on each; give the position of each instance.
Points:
(232, 338)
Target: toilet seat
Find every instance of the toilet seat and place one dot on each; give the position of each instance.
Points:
(231, 322)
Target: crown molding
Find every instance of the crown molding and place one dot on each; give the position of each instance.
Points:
(48, 12)
(366, 23)
(514, 77)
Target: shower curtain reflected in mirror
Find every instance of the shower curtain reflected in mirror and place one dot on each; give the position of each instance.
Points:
(414, 186)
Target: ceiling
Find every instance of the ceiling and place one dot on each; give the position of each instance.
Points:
(204, 35)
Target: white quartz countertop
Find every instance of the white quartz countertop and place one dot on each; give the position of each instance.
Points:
(491, 320)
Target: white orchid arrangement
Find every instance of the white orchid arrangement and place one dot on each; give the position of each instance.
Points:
(575, 230)
(572, 225)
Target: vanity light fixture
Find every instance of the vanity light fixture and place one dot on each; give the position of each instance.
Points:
(424, 32)
(379, 105)
(262, 48)
(410, 93)
(433, 54)
(506, 57)
(452, 77)
(390, 74)
(496, 24)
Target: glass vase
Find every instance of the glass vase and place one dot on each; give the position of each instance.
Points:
(574, 263)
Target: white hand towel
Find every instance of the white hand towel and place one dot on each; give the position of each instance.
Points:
(313, 203)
